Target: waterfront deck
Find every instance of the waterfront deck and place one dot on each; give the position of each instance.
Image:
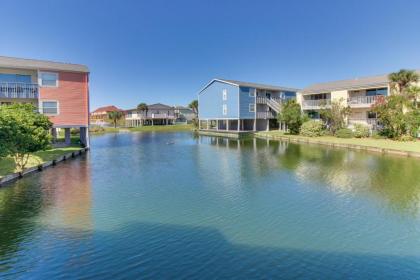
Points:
(226, 133)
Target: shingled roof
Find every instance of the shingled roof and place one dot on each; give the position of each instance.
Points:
(251, 85)
(34, 64)
(352, 84)
(156, 106)
(110, 108)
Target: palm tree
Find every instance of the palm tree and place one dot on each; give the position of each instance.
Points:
(114, 117)
(402, 80)
(142, 107)
(194, 106)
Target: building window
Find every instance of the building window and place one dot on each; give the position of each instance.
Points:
(224, 94)
(50, 107)
(252, 107)
(252, 93)
(321, 96)
(377, 91)
(224, 109)
(48, 79)
(371, 115)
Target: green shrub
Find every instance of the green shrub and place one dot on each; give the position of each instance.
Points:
(344, 133)
(96, 129)
(361, 131)
(378, 135)
(312, 128)
(75, 131)
(406, 138)
(327, 133)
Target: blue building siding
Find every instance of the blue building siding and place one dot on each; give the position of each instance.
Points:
(211, 101)
(244, 101)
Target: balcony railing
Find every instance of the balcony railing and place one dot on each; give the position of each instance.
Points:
(161, 116)
(356, 101)
(264, 100)
(308, 104)
(266, 115)
(371, 121)
(150, 116)
(18, 90)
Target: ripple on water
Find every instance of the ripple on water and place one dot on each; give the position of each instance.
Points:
(207, 207)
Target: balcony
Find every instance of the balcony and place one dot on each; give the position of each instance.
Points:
(266, 115)
(366, 121)
(265, 100)
(316, 104)
(362, 101)
(150, 116)
(18, 90)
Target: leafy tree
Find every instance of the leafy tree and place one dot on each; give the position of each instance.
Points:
(291, 115)
(399, 113)
(142, 107)
(115, 116)
(22, 131)
(335, 117)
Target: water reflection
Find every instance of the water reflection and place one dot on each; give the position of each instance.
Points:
(392, 179)
(47, 200)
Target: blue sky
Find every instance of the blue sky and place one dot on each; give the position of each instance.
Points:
(165, 51)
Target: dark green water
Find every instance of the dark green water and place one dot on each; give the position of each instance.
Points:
(170, 205)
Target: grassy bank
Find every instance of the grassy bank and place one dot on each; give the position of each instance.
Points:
(177, 127)
(365, 142)
(7, 165)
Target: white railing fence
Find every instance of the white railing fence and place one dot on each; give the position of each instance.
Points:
(316, 103)
(18, 90)
(359, 100)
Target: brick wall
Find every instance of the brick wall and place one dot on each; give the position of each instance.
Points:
(72, 95)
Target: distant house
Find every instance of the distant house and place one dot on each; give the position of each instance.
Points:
(241, 106)
(156, 114)
(184, 114)
(99, 116)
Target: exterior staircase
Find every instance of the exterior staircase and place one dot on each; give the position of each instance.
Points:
(274, 104)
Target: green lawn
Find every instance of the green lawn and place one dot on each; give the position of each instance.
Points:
(412, 146)
(7, 165)
(177, 127)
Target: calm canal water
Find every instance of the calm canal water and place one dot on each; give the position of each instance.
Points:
(171, 205)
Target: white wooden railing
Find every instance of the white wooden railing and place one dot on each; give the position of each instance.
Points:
(362, 100)
(150, 116)
(266, 115)
(373, 122)
(18, 90)
(316, 103)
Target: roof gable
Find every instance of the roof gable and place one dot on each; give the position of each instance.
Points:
(249, 84)
(107, 109)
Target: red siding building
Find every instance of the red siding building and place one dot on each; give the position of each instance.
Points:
(59, 90)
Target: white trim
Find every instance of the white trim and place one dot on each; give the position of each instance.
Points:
(46, 72)
(253, 106)
(216, 80)
(256, 106)
(41, 107)
(224, 109)
(224, 94)
(239, 102)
